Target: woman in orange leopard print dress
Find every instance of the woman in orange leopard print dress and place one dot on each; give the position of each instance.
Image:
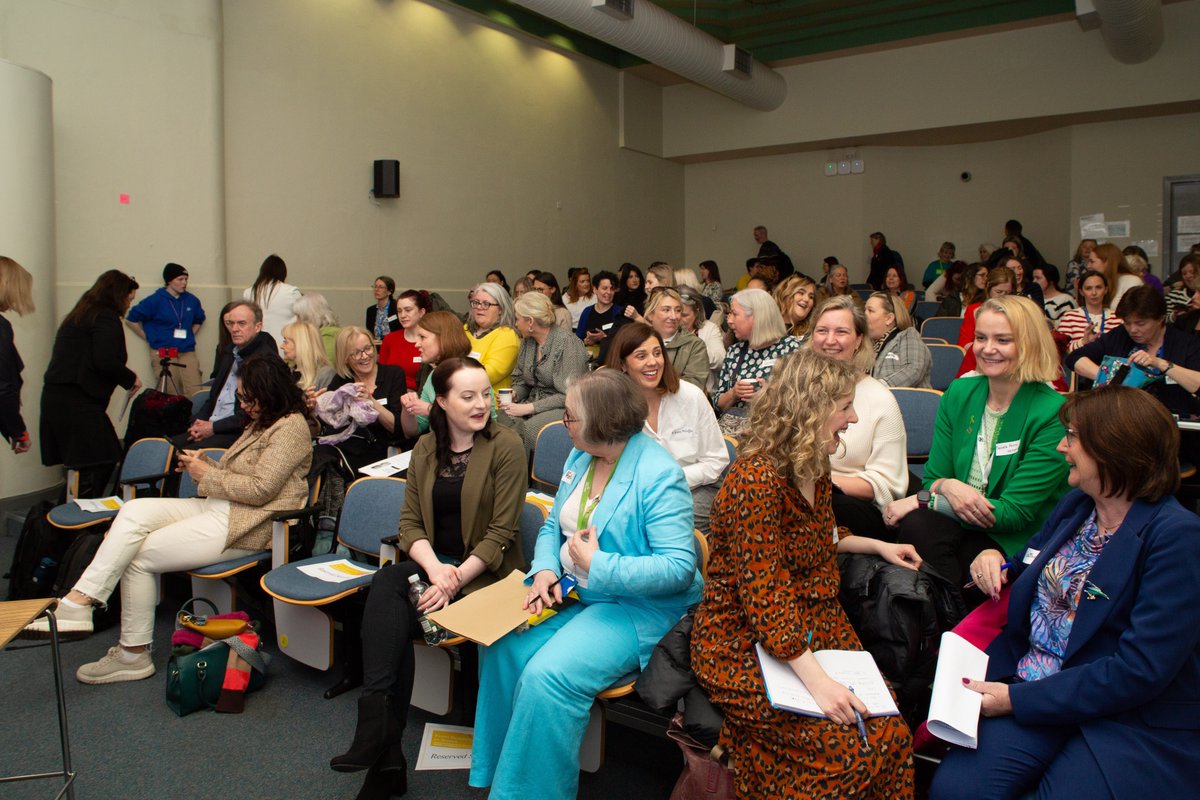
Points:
(773, 578)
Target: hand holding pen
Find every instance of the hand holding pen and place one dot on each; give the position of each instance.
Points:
(988, 573)
(862, 726)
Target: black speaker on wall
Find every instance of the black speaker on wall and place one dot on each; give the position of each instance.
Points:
(387, 178)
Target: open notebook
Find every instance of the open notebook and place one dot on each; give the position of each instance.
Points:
(852, 668)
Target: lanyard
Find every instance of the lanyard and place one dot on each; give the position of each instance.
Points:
(1103, 312)
(985, 452)
(586, 504)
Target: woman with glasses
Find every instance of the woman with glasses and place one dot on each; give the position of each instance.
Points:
(381, 385)
(549, 358)
(381, 316)
(261, 473)
(494, 339)
(622, 525)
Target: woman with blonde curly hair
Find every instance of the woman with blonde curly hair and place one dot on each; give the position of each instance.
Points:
(773, 579)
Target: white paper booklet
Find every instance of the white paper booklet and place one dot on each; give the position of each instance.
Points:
(387, 467)
(954, 709)
(98, 505)
(852, 668)
(338, 571)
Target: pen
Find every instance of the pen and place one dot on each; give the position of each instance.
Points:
(862, 728)
(1003, 567)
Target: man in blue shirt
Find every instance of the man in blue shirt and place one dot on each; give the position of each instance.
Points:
(170, 318)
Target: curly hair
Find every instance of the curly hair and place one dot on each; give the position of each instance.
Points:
(788, 419)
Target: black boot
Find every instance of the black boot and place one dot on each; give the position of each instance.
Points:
(377, 729)
(384, 784)
(393, 767)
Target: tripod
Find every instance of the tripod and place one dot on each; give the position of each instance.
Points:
(165, 377)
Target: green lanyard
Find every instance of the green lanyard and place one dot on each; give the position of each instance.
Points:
(586, 505)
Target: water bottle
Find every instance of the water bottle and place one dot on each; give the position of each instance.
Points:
(416, 588)
(43, 573)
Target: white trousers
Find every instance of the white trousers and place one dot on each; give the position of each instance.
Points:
(150, 536)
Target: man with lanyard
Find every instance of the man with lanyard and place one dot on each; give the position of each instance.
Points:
(220, 420)
(170, 318)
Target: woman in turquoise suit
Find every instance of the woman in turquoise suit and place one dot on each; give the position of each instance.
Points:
(622, 525)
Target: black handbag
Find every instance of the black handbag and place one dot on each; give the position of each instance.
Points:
(194, 679)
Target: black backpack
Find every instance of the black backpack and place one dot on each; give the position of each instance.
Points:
(75, 560)
(40, 548)
(900, 615)
(154, 414)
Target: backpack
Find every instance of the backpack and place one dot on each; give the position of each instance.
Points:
(900, 615)
(154, 414)
(74, 561)
(40, 548)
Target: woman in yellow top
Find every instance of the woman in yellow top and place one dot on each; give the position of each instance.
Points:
(494, 339)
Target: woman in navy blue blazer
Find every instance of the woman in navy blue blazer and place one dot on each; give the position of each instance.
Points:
(1093, 685)
(621, 524)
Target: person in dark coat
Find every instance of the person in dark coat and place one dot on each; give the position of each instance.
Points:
(382, 318)
(771, 253)
(16, 294)
(86, 365)
(882, 257)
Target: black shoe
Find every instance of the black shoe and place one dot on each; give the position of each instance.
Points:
(383, 785)
(376, 730)
(393, 766)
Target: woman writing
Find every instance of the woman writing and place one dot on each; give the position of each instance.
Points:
(622, 525)
(678, 417)
(901, 358)
(274, 296)
(761, 340)
(16, 294)
(870, 469)
(1000, 283)
(399, 348)
(86, 365)
(494, 340)
(773, 579)
(548, 359)
(1096, 664)
(263, 472)
(381, 315)
(692, 320)
(993, 476)
(1092, 318)
(440, 337)
(303, 351)
(459, 525)
(380, 385)
(686, 352)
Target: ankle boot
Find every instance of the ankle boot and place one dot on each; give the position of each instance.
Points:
(393, 767)
(376, 730)
(381, 785)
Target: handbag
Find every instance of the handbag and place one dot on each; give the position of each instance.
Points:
(706, 774)
(207, 626)
(194, 679)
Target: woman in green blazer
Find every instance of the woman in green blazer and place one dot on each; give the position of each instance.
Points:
(993, 474)
(459, 527)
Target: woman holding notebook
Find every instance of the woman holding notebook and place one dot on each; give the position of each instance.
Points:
(773, 581)
(1093, 685)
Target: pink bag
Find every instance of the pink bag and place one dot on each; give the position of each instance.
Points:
(705, 776)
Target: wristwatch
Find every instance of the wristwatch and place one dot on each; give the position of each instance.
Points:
(923, 498)
(1169, 366)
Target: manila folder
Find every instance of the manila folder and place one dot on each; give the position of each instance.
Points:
(483, 616)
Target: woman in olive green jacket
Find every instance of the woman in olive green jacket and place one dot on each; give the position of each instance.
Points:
(688, 354)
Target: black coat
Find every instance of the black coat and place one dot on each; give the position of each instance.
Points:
(11, 424)
(393, 320)
(261, 345)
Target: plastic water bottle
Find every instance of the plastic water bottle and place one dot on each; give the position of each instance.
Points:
(416, 588)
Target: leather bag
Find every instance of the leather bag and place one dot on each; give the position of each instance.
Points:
(706, 774)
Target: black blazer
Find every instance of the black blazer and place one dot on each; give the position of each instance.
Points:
(262, 345)
(91, 357)
(11, 424)
(393, 320)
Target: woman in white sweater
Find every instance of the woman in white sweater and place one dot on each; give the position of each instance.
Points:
(680, 419)
(870, 467)
(274, 296)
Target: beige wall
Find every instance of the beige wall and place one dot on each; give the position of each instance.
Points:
(508, 152)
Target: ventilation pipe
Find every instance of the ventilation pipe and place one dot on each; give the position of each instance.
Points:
(1132, 29)
(664, 39)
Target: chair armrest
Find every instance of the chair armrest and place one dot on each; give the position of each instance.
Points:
(297, 514)
(145, 480)
(389, 550)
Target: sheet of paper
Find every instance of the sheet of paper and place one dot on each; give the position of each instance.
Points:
(954, 709)
(1091, 226)
(1149, 245)
(100, 504)
(540, 498)
(852, 668)
(387, 467)
(486, 614)
(338, 571)
(1118, 230)
(1184, 243)
(1188, 224)
(445, 747)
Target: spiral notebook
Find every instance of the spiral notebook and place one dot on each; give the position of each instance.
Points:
(851, 668)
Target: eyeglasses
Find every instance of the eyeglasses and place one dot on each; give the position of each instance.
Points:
(244, 398)
(1072, 436)
(568, 420)
(366, 352)
(483, 304)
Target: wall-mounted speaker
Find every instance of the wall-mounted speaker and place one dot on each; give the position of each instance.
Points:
(387, 178)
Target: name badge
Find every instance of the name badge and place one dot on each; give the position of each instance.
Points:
(568, 476)
(1169, 380)
(892, 356)
(1008, 448)
(835, 534)
(382, 401)
(768, 364)
(392, 318)
(180, 333)
(606, 327)
(474, 354)
(1030, 555)
(416, 359)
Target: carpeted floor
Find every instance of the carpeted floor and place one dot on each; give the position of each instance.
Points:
(126, 743)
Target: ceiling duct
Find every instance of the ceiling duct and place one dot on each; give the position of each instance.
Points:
(664, 39)
(1132, 29)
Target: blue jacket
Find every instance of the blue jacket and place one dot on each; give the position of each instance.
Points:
(161, 313)
(647, 559)
(1130, 676)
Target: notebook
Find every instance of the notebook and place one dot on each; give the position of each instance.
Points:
(851, 668)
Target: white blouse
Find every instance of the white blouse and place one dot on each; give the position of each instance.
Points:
(687, 428)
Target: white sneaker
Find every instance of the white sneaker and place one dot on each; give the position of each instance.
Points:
(73, 623)
(114, 669)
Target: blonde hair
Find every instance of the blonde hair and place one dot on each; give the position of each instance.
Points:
(1037, 357)
(768, 322)
(341, 348)
(537, 307)
(788, 421)
(16, 287)
(310, 357)
(897, 310)
(686, 276)
(664, 273)
(657, 295)
(864, 355)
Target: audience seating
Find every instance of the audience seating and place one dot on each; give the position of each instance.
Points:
(933, 340)
(731, 445)
(946, 358)
(550, 453)
(943, 328)
(926, 309)
(198, 400)
(305, 607)
(143, 470)
(918, 407)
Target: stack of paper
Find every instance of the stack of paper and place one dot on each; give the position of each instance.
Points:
(954, 709)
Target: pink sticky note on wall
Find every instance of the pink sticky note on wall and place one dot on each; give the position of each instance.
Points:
(124, 199)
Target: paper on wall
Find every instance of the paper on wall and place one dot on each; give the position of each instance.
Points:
(1188, 224)
(1091, 226)
(1118, 230)
(1184, 243)
(1149, 245)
